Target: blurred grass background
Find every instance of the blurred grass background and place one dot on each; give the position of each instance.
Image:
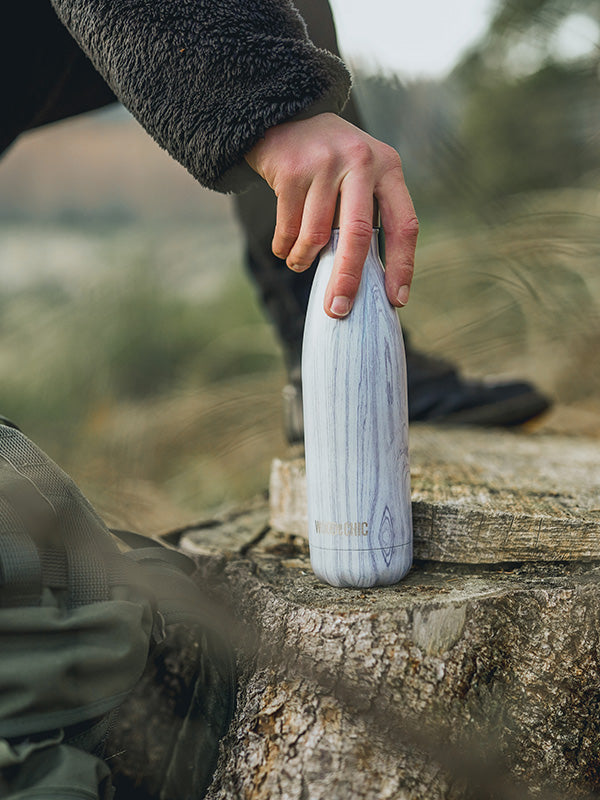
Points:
(132, 347)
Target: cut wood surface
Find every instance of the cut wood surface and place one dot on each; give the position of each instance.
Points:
(483, 496)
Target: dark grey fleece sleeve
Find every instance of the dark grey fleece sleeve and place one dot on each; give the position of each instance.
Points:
(207, 78)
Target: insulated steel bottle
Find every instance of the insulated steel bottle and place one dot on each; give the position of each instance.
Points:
(356, 433)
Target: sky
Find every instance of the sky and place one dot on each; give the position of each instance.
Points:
(425, 38)
(415, 38)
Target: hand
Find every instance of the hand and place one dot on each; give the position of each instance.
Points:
(309, 163)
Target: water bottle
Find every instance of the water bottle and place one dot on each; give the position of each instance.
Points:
(356, 433)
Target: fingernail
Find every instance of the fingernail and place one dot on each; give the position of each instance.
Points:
(402, 296)
(341, 306)
(298, 267)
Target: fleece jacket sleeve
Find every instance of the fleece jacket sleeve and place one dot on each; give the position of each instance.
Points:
(207, 78)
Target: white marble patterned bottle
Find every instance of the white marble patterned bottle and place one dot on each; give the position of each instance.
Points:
(356, 433)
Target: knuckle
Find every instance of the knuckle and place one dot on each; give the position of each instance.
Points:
(280, 184)
(289, 233)
(348, 273)
(347, 278)
(290, 174)
(316, 239)
(411, 228)
(308, 245)
(361, 153)
(359, 228)
(390, 165)
(324, 157)
(391, 157)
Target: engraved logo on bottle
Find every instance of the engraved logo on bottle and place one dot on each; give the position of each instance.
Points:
(342, 528)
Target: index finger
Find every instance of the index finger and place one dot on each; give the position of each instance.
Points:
(356, 229)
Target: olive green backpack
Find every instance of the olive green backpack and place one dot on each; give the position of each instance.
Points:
(78, 618)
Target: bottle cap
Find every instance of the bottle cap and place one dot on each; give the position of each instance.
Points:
(376, 219)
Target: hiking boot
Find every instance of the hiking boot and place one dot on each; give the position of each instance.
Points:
(438, 394)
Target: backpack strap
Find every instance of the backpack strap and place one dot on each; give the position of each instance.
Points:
(167, 575)
(143, 547)
(20, 568)
(38, 496)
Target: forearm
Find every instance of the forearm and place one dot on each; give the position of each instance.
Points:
(206, 80)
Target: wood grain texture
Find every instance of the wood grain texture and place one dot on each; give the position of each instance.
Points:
(484, 496)
(356, 434)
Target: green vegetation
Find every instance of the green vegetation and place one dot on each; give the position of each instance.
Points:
(107, 376)
(472, 142)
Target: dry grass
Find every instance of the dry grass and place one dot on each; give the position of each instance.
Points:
(521, 298)
(155, 449)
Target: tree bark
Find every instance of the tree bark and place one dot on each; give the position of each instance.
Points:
(460, 682)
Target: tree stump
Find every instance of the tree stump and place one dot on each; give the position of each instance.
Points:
(466, 680)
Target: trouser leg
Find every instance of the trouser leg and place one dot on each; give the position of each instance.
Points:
(284, 293)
